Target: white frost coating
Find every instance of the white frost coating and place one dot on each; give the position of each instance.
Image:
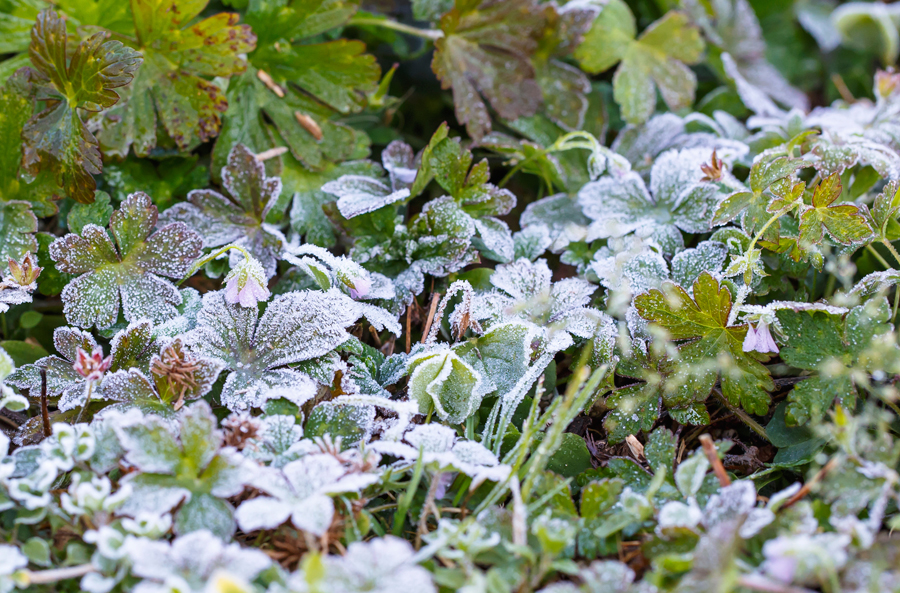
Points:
(730, 503)
(752, 97)
(358, 194)
(400, 163)
(443, 451)
(300, 491)
(675, 514)
(192, 559)
(381, 565)
(296, 326)
(630, 264)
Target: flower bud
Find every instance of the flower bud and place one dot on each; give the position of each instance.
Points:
(91, 366)
(246, 284)
(27, 272)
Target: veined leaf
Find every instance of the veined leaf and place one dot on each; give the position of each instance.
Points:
(485, 51)
(57, 138)
(655, 60)
(173, 87)
(703, 320)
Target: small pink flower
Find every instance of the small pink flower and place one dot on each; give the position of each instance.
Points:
(360, 287)
(91, 366)
(246, 284)
(760, 339)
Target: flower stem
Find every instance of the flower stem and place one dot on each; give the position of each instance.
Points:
(878, 256)
(890, 248)
(430, 34)
(88, 391)
(205, 260)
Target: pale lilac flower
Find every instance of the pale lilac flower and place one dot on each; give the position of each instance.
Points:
(92, 366)
(359, 287)
(760, 339)
(246, 284)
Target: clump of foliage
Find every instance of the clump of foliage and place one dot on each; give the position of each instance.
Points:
(449, 295)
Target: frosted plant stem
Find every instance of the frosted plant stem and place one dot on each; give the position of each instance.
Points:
(877, 256)
(88, 391)
(205, 260)
(890, 248)
(45, 577)
(430, 34)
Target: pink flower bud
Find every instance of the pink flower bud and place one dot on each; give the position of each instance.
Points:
(91, 366)
(246, 284)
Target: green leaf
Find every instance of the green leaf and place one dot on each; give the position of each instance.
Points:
(351, 423)
(173, 88)
(703, 320)
(843, 222)
(17, 227)
(134, 271)
(655, 60)
(98, 212)
(57, 138)
(15, 111)
(600, 496)
(885, 209)
(839, 350)
(486, 51)
(446, 383)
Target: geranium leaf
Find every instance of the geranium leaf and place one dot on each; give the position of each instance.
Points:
(133, 272)
(239, 217)
(703, 320)
(57, 138)
(485, 51)
(843, 222)
(16, 110)
(655, 60)
(173, 87)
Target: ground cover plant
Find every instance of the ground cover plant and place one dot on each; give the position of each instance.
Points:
(449, 295)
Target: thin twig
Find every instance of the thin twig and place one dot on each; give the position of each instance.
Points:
(375, 336)
(744, 416)
(710, 449)
(435, 299)
(408, 326)
(842, 88)
(45, 413)
(807, 488)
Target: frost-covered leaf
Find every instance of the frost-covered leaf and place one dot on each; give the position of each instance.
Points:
(300, 491)
(443, 382)
(361, 195)
(703, 319)
(656, 60)
(733, 28)
(240, 217)
(189, 468)
(842, 222)
(351, 422)
(296, 326)
(381, 564)
(172, 90)
(838, 350)
(677, 197)
(133, 272)
(57, 138)
(192, 559)
(485, 51)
